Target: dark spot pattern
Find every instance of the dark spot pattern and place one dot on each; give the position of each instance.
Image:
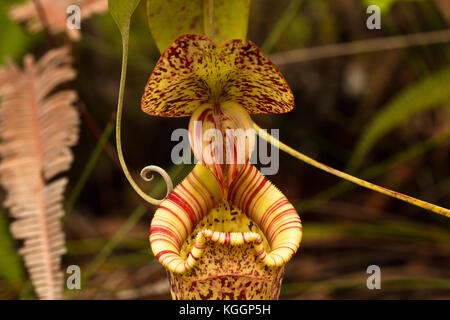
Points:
(194, 70)
(225, 271)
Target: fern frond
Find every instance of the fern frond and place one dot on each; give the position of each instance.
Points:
(55, 14)
(37, 127)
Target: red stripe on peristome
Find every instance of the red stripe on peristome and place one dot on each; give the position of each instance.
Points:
(172, 258)
(199, 247)
(243, 181)
(190, 179)
(236, 182)
(159, 254)
(227, 238)
(199, 207)
(194, 257)
(163, 222)
(257, 189)
(246, 194)
(164, 230)
(175, 198)
(286, 212)
(275, 206)
(276, 254)
(262, 252)
(181, 220)
(167, 240)
(286, 247)
(200, 182)
(279, 231)
(160, 236)
(267, 187)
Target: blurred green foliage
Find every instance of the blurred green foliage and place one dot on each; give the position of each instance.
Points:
(11, 267)
(170, 19)
(385, 5)
(430, 92)
(15, 41)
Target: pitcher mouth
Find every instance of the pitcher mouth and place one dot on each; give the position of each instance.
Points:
(195, 213)
(223, 225)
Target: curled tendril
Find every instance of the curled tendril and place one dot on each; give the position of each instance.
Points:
(148, 169)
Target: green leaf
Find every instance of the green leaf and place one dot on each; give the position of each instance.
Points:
(121, 11)
(428, 93)
(14, 40)
(170, 19)
(11, 268)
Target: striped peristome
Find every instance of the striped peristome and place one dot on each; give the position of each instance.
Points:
(199, 193)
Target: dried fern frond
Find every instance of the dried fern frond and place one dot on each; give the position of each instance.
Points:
(37, 127)
(55, 14)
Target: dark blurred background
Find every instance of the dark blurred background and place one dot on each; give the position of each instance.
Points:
(346, 228)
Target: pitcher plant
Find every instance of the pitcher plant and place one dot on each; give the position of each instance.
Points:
(225, 232)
